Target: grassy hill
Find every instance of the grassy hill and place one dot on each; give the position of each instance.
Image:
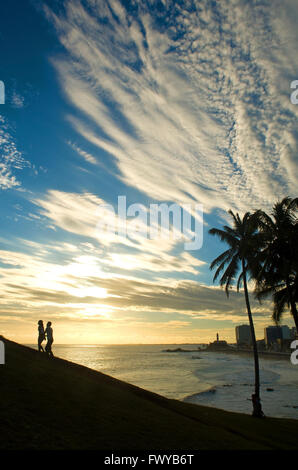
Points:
(56, 404)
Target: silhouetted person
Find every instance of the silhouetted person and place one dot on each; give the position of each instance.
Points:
(41, 335)
(50, 339)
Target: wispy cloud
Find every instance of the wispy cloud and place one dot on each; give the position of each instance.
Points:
(11, 158)
(85, 155)
(17, 100)
(71, 284)
(195, 105)
(81, 214)
(81, 284)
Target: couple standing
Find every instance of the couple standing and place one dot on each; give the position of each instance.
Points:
(42, 335)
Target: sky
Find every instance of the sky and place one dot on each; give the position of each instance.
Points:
(160, 102)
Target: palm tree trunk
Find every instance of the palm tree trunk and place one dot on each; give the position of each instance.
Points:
(257, 408)
(292, 304)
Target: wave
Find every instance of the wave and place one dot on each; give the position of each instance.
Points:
(206, 393)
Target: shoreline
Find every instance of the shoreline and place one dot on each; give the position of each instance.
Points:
(241, 352)
(264, 354)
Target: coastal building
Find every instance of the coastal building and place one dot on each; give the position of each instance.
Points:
(293, 332)
(272, 334)
(286, 332)
(278, 338)
(261, 345)
(243, 335)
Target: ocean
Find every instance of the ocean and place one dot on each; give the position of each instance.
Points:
(214, 379)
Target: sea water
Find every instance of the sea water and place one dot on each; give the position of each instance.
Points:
(216, 379)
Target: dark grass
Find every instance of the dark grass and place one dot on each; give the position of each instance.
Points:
(56, 404)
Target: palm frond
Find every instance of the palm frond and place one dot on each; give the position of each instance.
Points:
(280, 301)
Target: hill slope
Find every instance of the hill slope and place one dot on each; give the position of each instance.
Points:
(56, 404)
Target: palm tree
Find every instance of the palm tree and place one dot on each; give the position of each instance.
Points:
(238, 260)
(277, 272)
